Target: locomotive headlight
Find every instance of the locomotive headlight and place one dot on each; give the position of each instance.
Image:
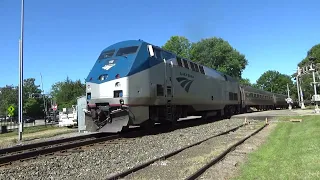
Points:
(103, 77)
(121, 101)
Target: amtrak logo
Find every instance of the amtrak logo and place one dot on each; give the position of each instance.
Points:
(185, 83)
(110, 64)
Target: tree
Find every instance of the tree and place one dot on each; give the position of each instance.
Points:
(276, 82)
(8, 97)
(179, 45)
(65, 93)
(245, 81)
(218, 54)
(33, 106)
(314, 52)
(307, 79)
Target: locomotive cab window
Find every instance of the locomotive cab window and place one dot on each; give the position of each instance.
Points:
(106, 54)
(127, 50)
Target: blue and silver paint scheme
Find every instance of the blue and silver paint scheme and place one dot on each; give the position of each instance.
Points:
(132, 77)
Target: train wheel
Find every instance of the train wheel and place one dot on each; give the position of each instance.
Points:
(125, 128)
(148, 124)
(204, 116)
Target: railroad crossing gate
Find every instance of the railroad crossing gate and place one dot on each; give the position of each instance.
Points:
(10, 110)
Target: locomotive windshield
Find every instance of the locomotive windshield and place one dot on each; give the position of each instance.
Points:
(127, 50)
(106, 54)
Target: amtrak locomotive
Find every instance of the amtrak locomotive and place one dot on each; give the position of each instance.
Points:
(136, 83)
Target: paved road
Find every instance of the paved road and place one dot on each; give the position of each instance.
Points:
(275, 113)
(38, 122)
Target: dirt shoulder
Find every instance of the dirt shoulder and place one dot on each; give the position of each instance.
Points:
(33, 137)
(229, 167)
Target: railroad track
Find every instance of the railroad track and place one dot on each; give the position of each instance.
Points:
(61, 146)
(142, 169)
(29, 151)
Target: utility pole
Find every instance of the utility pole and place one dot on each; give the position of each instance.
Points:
(44, 103)
(20, 114)
(316, 97)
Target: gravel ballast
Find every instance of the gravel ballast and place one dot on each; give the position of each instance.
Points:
(101, 161)
(188, 161)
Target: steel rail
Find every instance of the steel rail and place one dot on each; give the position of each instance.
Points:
(52, 149)
(221, 156)
(13, 149)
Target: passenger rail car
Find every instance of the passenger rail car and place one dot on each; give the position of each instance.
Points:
(136, 83)
(258, 98)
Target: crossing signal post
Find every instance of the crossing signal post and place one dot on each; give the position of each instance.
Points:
(289, 100)
(316, 97)
(300, 92)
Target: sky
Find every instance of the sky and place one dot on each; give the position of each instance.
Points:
(64, 38)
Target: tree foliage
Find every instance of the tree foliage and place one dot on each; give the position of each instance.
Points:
(8, 97)
(65, 93)
(179, 45)
(213, 52)
(245, 81)
(220, 55)
(307, 79)
(314, 52)
(31, 106)
(276, 82)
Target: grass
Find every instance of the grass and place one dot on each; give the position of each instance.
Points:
(291, 152)
(35, 132)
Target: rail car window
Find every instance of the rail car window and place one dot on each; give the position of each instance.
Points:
(192, 66)
(201, 69)
(160, 90)
(179, 61)
(106, 54)
(166, 55)
(127, 50)
(230, 96)
(185, 63)
(196, 67)
(235, 96)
